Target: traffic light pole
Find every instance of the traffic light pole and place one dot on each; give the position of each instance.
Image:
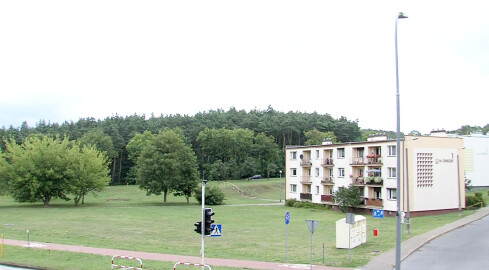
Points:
(203, 221)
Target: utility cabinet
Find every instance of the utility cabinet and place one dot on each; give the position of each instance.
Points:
(358, 232)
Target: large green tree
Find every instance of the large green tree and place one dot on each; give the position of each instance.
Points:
(347, 198)
(166, 162)
(90, 172)
(43, 168)
(266, 153)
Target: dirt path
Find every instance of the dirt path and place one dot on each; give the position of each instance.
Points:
(167, 257)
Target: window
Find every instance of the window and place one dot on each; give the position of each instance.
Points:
(341, 152)
(392, 150)
(377, 193)
(391, 193)
(293, 155)
(341, 172)
(317, 172)
(317, 154)
(293, 188)
(317, 189)
(293, 172)
(392, 172)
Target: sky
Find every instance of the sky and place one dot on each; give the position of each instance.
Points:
(65, 60)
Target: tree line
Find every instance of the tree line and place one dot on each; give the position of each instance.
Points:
(228, 144)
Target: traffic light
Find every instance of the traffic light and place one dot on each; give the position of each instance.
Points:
(198, 228)
(208, 221)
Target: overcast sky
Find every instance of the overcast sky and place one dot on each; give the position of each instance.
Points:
(64, 60)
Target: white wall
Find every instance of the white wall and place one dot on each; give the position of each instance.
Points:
(476, 154)
(443, 194)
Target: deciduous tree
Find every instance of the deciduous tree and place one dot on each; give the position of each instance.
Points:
(165, 163)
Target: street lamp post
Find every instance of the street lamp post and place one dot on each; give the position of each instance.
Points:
(398, 149)
(280, 186)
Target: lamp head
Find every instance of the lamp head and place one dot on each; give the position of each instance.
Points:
(402, 16)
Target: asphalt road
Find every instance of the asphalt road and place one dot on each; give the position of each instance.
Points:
(464, 248)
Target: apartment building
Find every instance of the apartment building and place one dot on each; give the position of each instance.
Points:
(431, 174)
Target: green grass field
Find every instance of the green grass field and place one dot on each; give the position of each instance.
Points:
(123, 217)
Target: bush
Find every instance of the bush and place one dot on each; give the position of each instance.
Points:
(298, 204)
(473, 200)
(301, 204)
(213, 195)
(290, 203)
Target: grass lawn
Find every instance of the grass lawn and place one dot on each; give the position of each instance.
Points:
(123, 217)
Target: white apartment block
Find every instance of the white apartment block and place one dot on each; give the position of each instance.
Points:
(431, 174)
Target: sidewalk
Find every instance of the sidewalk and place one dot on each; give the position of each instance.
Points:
(169, 258)
(387, 260)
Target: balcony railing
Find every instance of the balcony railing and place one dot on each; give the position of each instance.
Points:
(327, 180)
(306, 162)
(327, 162)
(306, 180)
(374, 181)
(327, 198)
(306, 196)
(358, 161)
(374, 159)
(373, 202)
(358, 181)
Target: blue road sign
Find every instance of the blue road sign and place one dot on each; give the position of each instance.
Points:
(287, 218)
(216, 230)
(378, 213)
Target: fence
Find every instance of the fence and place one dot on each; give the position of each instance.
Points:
(126, 267)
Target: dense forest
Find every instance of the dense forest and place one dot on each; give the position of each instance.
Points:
(258, 128)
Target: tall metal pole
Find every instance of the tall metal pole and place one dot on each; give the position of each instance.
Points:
(408, 214)
(311, 251)
(280, 186)
(398, 169)
(458, 183)
(202, 226)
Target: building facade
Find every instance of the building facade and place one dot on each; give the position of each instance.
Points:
(431, 174)
(476, 154)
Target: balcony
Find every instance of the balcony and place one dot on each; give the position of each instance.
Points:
(327, 180)
(357, 161)
(358, 181)
(306, 162)
(374, 159)
(327, 198)
(306, 180)
(373, 202)
(327, 162)
(306, 196)
(374, 181)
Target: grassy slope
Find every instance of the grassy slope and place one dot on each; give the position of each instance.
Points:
(125, 218)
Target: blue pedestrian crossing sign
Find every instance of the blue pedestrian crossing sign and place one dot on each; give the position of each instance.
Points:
(216, 230)
(378, 213)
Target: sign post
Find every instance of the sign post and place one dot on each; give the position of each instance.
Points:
(378, 214)
(287, 221)
(312, 224)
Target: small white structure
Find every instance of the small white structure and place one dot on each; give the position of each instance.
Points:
(358, 232)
